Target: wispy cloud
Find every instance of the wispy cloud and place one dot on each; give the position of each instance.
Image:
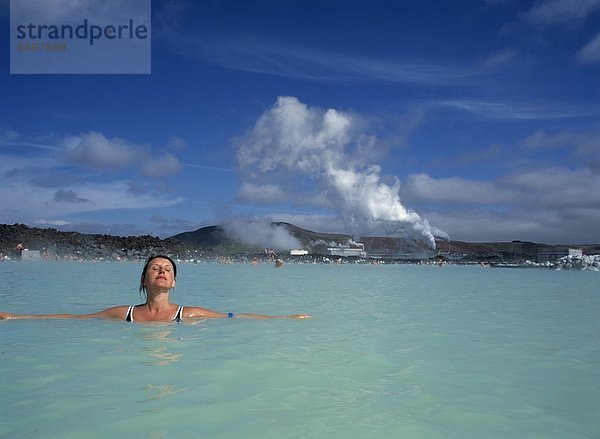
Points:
(569, 12)
(209, 168)
(165, 164)
(582, 146)
(270, 56)
(62, 196)
(457, 190)
(57, 223)
(261, 193)
(580, 140)
(11, 138)
(95, 150)
(292, 61)
(540, 204)
(500, 59)
(64, 177)
(499, 109)
(590, 52)
(28, 202)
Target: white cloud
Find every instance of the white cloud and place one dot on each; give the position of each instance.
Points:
(27, 202)
(63, 196)
(590, 53)
(95, 150)
(550, 226)
(581, 140)
(557, 187)
(7, 136)
(550, 12)
(500, 59)
(549, 205)
(59, 180)
(476, 225)
(57, 223)
(582, 145)
(160, 166)
(457, 190)
(276, 58)
(293, 137)
(499, 109)
(24, 200)
(265, 193)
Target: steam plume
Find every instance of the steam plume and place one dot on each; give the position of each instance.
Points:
(261, 233)
(318, 153)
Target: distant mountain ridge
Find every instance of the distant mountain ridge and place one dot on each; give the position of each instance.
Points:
(212, 241)
(215, 237)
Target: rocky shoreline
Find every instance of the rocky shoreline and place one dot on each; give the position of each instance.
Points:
(54, 245)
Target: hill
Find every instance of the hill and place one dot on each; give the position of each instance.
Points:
(213, 242)
(216, 239)
(55, 244)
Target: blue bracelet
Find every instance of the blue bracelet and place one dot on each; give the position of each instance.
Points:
(229, 314)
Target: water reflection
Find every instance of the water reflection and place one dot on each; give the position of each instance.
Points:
(162, 391)
(160, 356)
(157, 350)
(159, 344)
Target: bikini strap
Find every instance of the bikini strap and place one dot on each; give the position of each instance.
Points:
(179, 314)
(129, 316)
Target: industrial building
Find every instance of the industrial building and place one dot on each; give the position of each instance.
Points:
(553, 254)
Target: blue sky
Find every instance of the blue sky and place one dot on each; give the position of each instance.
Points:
(476, 119)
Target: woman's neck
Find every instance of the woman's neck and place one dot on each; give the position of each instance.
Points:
(157, 301)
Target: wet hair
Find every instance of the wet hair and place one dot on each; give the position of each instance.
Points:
(150, 259)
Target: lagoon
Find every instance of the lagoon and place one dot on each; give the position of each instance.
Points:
(391, 351)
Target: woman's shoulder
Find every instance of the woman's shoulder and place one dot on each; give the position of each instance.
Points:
(119, 307)
(115, 312)
(191, 312)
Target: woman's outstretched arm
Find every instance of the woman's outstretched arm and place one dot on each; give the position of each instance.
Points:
(195, 312)
(116, 312)
(246, 315)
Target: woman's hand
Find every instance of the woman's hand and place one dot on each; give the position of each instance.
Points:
(8, 316)
(300, 316)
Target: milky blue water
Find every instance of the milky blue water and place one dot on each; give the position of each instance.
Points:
(396, 351)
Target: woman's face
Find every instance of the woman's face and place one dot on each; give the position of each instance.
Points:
(160, 273)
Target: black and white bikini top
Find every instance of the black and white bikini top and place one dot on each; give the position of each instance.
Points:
(178, 315)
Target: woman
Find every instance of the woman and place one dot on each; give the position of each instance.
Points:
(158, 277)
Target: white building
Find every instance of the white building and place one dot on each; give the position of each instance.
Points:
(553, 254)
(357, 250)
(298, 252)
